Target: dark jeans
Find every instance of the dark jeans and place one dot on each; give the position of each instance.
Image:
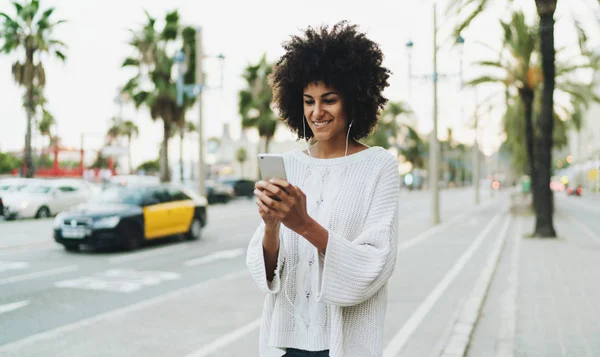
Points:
(292, 352)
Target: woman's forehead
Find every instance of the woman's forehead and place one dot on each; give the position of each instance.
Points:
(319, 88)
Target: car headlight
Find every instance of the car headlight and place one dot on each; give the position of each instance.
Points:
(58, 221)
(107, 222)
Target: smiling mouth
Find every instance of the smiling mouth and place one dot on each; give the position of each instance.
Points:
(320, 124)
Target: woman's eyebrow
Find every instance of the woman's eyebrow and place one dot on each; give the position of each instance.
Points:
(322, 96)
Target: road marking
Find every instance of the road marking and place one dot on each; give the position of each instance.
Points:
(244, 330)
(38, 274)
(13, 306)
(505, 343)
(400, 339)
(431, 231)
(119, 280)
(142, 255)
(224, 254)
(5, 266)
(226, 339)
(469, 314)
(54, 334)
(27, 245)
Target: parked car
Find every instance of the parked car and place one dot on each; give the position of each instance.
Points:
(45, 198)
(217, 192)
(10, 185)
(241, 187)
(129, 216)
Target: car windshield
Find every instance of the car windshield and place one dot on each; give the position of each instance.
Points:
(125, 195)
(36, 189)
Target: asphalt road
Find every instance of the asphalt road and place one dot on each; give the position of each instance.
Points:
(196, 299)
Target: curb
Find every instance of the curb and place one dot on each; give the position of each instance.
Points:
(463, 328)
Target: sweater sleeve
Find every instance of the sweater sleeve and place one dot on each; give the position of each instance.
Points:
(255, 261)
(355, 270)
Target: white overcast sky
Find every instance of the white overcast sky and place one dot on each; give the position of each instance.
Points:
(81, 92)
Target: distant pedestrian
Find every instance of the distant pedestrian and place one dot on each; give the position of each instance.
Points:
(324, 252)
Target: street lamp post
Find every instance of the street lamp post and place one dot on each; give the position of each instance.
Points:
(195, 90)
(434, 154)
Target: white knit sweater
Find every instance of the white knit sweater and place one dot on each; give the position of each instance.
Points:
(335, 301)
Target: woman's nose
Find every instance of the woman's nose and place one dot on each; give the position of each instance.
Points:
(318, 110)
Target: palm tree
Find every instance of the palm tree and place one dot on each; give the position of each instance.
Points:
(255, 101)
(520, 72)
(184, 128)
(545, 8)
(523, 71)
(129, 130)
(153, 86)
(29, 33)
(45, 125)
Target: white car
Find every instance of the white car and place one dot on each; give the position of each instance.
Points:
(12, 184)
(46, 198)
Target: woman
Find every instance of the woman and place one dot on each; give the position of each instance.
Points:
(327, 245)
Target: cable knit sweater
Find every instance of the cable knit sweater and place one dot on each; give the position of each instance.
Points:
(335, 301)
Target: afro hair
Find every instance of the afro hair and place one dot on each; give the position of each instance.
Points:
(341, 57)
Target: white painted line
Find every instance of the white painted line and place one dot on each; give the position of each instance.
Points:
(38, 274)
(431, 231)
(149, 254)
(505, 342)
(400, 339)
(7, 265)
(55, 334)
(466, 321)
(224, 254)
(13, 306)
(584, 228)
(226, 339)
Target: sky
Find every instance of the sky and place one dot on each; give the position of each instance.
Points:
(81, 93)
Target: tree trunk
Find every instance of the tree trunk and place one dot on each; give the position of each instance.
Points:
(30, 108)
(527, 96)
(181, 156)
(544, 226)
(164, 153)
(267, 141)
(129, 154)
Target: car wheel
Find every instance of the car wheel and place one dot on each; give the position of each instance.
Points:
(131, 237)
(72, 247)
(195, 231)
(43, 212)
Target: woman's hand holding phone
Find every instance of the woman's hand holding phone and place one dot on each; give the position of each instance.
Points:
(289, 209)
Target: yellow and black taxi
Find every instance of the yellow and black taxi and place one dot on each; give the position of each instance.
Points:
(128, 216)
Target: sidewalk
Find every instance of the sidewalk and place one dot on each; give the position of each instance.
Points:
(545, 297)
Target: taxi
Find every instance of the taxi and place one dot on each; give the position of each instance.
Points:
(129, 216)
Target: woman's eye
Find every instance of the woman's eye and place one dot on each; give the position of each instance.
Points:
(329, 101)
(309, 102)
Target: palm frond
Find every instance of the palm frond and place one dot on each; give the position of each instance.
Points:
(130, 62)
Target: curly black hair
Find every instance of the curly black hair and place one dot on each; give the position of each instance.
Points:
(341, 57)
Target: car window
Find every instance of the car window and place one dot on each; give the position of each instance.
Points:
(37, 189)
(177, 195)
(156, 196)
(67, 189)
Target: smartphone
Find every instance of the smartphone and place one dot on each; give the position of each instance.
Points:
(271, 166)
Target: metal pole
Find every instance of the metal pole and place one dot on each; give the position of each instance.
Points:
(200, 81)
(433, 152)
(476, 161)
